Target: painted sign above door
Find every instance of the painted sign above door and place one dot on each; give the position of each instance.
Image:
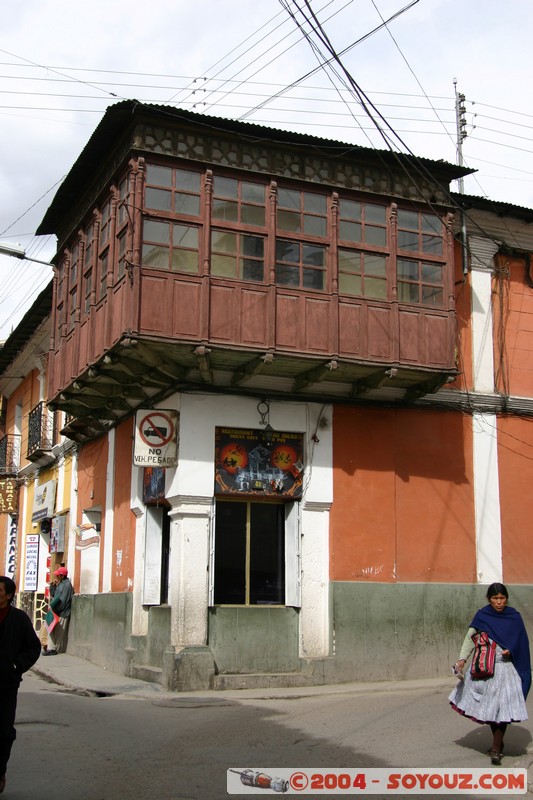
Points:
(255, 462)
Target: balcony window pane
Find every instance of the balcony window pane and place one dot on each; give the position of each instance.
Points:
(313, 255)
(287, 275)
(253, 246)
(349, 261)
(223, 266)
(156, 232)
(185, 236)
(375, 265)
(314, 226)
(376, 287)
(253, 215)
(288, 251)
(315, 203)
(432, 244)
(350, 231)
(289, 221)
(252, 270)
(407, 269)
(408, 240)
(350, 284)
(289, 198)
(432, 273)
(432, 296)
(407, 219)
(253, 193)
(185, 260)
(350, 209)
(377, 236)
(158, 175)
(313, 279)
(377, 214)
(408, 292)
(187, 204)
(155, 256)
(226, 187)
(188, 180)
(226, 209)
(227, 242)
(431, 224)
(159, 199)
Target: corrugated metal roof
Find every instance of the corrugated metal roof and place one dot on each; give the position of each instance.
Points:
(468, 202)
(121, 117)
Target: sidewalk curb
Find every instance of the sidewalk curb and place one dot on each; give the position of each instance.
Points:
(104, 683)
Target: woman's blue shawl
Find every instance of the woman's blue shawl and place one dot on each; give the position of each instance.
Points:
(508, 630)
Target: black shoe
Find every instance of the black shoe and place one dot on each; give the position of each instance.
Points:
(2, 783)
(49, 653)
(495, 758)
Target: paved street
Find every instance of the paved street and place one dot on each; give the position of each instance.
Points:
(146, 743)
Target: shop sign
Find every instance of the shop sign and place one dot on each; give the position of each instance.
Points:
(11, 549)
(44, 500)
(156, 439)
(31, 563)
(248, 461)
(8, 496)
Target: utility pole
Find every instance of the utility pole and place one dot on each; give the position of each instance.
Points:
(460, 120)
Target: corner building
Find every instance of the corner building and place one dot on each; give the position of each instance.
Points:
(263, 349)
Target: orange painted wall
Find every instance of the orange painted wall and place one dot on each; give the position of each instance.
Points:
(513, 328)
(515, 462)
(92, 468)
(403, 507)
(124, 520)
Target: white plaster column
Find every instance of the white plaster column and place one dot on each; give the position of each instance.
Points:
(485, 426)
(73, 511)
(314, 613)
(487, 499)
(139, 621)
(482, 253)
(188, 568)
(107, 563)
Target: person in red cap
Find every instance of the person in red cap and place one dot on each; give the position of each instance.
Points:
(61, 604)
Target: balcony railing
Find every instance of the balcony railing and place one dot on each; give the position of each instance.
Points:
(10, 454)
(40, 431)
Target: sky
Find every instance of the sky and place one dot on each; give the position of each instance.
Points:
(63, 63)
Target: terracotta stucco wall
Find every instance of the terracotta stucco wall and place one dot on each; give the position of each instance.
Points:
(92, 470)
(124, 520)
(515, 462)
(513, 327)
(403, 507)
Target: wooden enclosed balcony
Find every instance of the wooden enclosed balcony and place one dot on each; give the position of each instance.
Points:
(204, 260)
(162, 332)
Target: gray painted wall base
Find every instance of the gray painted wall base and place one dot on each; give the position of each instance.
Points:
(379, 632)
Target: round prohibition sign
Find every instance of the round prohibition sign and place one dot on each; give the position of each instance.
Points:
(159, 427)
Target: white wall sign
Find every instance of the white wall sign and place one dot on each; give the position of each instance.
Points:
(31, 566)
(44, 501)
(156, 439)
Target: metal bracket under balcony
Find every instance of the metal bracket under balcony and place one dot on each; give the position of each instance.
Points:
(10, 454)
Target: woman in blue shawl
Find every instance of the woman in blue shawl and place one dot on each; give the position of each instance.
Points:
(499, 700)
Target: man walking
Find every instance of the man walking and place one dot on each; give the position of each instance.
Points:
(19, 650)
(60, 603)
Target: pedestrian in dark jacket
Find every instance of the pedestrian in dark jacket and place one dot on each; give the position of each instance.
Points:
(19, 650)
